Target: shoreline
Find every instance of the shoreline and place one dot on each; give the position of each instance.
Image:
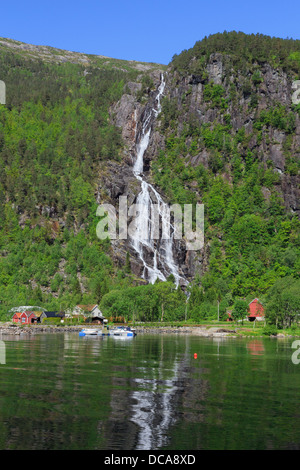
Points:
(188, 330)
(201, 331)
(17, 330)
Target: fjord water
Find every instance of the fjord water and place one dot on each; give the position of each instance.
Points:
(60, 391)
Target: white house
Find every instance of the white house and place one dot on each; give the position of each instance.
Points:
(90, 311)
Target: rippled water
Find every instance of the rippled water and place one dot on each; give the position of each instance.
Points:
(60, 391)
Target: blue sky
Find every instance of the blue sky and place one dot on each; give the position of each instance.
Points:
(137, 30)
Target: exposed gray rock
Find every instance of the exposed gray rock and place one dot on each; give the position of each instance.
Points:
(215, 68)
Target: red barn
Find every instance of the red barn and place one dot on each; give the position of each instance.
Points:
(255, 310)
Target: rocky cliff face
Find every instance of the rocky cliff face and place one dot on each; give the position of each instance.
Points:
(239, 99)
(246, 99)
(117, 179)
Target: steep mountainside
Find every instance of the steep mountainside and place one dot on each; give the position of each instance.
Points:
(227, 136)
(227, 123)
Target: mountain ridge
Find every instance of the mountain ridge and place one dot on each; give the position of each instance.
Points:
(54, 54)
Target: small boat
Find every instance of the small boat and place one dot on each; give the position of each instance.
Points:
(121, 331)
(90, 332)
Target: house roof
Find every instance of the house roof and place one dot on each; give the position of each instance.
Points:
(24, 308)
(18, 314)
(27, 313)
(257, 300)
(53, 314)
(38, 314)
(88, 308)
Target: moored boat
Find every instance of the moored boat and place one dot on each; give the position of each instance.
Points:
(120, 331)
(90, 332)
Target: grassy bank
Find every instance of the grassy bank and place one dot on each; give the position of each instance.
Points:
(237, 329)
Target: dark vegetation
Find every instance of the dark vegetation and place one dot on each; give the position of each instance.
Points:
(243, 49)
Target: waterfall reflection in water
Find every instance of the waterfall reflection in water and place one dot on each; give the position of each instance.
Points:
(153, 410)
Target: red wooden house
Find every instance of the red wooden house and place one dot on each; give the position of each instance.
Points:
(24, 317)
(256, 310)
(31, 317)
(19, 317)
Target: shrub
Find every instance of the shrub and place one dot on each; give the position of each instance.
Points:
(269, 330)
(51, 321)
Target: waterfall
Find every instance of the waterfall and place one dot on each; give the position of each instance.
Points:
(149, 200)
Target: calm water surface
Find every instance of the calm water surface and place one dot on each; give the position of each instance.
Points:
(60, 391)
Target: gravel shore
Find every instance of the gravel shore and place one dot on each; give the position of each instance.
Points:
(36, 329)
(191, 330)
(8, 329)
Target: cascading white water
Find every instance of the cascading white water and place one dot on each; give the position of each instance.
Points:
(147, 200)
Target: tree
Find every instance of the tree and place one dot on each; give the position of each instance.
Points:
(196, 298)
(127, 263)
(171, 278)
(283, 302)
(239, 311)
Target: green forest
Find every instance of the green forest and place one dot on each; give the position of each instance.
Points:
(56, 137)
(54, 134)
